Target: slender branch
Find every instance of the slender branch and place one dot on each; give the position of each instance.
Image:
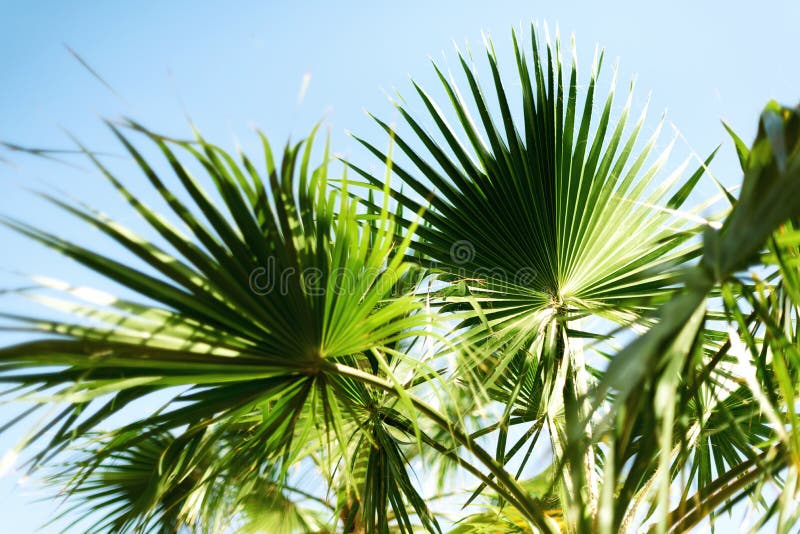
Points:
(309, 496)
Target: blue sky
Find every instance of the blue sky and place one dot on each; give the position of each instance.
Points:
(231, 65)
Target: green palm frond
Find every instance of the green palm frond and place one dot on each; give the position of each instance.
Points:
(315, 352)
(541, 216)
(250, 317)
(745, 389)
(136, 489)
(533, 211)
(148, 488)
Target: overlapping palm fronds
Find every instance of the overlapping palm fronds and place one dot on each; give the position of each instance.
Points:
(545, 215)
(252, 314)
(312, 339)
(746, 390)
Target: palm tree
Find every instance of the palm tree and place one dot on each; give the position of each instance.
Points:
(370, 353)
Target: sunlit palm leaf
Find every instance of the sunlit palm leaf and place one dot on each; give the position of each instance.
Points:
(544, 215)
(537, 215)
(749, 428)
(280, 284)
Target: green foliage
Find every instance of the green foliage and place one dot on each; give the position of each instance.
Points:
(325, 349)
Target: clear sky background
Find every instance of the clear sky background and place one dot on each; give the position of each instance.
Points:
(231, 65)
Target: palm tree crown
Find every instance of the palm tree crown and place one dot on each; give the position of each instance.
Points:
(331, 345)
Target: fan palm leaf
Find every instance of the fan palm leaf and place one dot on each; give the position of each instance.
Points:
(535, 215)
(543, 215)
(746, 385)
(276, 287)
(312, 338)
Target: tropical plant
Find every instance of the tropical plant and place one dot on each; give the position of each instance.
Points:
(371, 353)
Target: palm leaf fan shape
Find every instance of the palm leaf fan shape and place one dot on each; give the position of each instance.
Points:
(540, 213)
(142, 488)
(542, 217)
(154, 486)
(278, 287)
